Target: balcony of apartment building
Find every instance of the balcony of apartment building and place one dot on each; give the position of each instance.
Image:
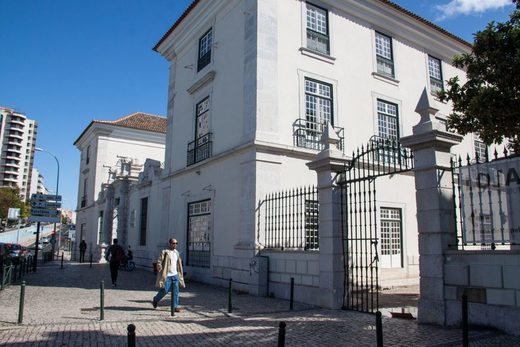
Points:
(12, 141)
(15, 126)
(17, 120)
(15, 134)
(11, 170)
(11, 178)
(8, 154)
(11, 163)
(307, 134)
(14, 148)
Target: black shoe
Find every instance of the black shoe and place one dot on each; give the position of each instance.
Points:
(154, 303)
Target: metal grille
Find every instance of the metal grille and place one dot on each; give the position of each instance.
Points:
(486, 200)
(308, 134)
(199, 234)
(359, 218)
(291, 219)
(200, 149)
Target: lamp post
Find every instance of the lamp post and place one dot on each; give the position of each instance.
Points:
(57, 185)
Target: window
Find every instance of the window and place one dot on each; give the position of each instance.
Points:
(435, 72)
(87, 160)
(317, 29)
(390, 237)
(100, 226)
(84, 197)
(387, 120)
(480, 151)
(200, 149)
(144, 221)
(384, 55)
(312, 224)
(199, 229)
(205, 43)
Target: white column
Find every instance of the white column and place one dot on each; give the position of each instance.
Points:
(435, 214)
(327, 163)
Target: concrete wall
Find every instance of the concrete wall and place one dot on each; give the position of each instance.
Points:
(492, 283)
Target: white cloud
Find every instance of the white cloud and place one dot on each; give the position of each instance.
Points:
(466, 7)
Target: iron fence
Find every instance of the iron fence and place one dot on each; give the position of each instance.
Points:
(291, 219)
(486, 198)
(307, 134)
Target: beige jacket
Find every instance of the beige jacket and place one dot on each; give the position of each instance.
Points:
(163, 267)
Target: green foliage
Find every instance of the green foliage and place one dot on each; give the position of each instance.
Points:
(10, 198)
(488, 104)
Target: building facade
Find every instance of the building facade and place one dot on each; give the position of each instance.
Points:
(18, 139)
(109, 150)
(37, 184)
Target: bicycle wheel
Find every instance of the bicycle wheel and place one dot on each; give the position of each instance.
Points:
(130, 265)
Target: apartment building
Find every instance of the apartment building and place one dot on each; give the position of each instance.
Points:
(18, 138)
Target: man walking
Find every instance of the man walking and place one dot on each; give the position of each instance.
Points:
(169, 267)
(115, 254)
(82, 249)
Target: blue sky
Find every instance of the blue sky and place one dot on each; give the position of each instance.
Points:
(65, 63)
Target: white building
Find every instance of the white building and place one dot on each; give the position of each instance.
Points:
(18, 139)
(251, 85)
(37, 185)
(129, 140)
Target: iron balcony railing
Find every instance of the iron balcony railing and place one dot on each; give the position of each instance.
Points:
(200, 149)
(307, 134)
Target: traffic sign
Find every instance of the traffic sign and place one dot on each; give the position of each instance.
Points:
(45, 197)
(45, 204)
(44, 208)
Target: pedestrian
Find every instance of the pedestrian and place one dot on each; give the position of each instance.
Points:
(169, 267)
(115, 255)
(82, 250)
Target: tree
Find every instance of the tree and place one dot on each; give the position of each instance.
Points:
(488, 104)
(10, 198)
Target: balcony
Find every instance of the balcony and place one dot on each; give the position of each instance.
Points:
(200, 149)
(307, 134)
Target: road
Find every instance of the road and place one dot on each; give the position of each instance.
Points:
(27, 236)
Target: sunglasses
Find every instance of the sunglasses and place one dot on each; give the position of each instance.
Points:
(173, 243)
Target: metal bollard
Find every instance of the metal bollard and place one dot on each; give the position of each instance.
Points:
(22, 299)
(62, 260)
(102, 301)
(291, 300)
(90, 259)
(172, 304)
(281, 334)
(131, 335)
(465, 337)
(379, 329)
(230, 305)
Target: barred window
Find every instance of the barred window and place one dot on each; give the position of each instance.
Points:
(199, 234)
(384, 55)
(317, 29)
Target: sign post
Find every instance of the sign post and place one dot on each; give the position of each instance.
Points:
(44, 208)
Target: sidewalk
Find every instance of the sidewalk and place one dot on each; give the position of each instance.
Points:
(62, 309)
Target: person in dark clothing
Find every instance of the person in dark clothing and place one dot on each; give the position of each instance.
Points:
(82, 250)
(115, 255)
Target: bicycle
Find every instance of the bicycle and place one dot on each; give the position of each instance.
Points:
(127, 265)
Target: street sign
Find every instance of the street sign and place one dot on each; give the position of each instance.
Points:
(44, 208)
(13, 213)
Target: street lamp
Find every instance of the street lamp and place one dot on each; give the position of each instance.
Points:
(57, 185)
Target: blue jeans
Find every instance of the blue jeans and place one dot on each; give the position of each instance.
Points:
(170, 281)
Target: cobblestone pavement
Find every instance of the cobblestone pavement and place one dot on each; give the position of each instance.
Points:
(62, 309)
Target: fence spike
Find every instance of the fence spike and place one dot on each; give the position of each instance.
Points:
(486, 155)
(477, 157)
(460, 161)
(505, 152)
(496, 154)
(468, 159)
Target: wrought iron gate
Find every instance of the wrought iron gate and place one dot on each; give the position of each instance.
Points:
(359, 218)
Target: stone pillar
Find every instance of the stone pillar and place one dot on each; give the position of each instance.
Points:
(327, 164)
(435, 214)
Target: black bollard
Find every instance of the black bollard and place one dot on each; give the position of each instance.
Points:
(230, 305)
(291, 300)
(22, 299)
(62, 260)
(90, 259)
(379, 329)
(172, 303)
(281, 334)
(102, 301)
(131, 335)
(465, 337)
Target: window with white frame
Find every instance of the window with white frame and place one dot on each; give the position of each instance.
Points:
(391, 230)
(318, 107)
(317, 29)
(384, 55)
(480, 150)
(435, 73)
(387, 120)
(199, 234)
(205, 43)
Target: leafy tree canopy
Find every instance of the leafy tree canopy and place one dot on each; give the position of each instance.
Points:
(488, 104)
(10, 198)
